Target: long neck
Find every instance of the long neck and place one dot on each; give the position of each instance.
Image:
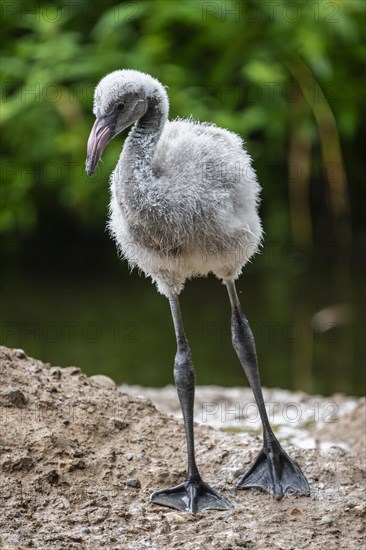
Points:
(138, 152)
(152, 123)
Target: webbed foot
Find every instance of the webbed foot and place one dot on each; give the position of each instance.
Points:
(274, 472)
(191, 496)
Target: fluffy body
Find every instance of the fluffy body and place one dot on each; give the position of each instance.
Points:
(184, 195)
(184, 203)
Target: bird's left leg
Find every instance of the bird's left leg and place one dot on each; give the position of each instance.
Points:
(273, 470)
(193, 495)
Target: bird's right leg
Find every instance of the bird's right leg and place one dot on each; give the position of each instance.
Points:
(193, 495)
(273, 470)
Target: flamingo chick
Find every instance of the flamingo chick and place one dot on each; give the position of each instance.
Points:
(184, 200)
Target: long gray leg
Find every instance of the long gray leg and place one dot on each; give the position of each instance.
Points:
(185, 382)
(193, 495)
(273, 470)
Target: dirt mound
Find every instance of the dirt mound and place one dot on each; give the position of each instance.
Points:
(79, 459)
(351, 430)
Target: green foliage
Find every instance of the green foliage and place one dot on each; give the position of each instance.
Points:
(226, 62)
(287, 76)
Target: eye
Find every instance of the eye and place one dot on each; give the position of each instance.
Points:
(120, 107)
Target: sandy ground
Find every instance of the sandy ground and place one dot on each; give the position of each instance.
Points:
(79, 459)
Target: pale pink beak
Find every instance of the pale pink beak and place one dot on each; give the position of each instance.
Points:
(101, 133)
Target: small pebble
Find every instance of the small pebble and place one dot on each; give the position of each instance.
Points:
(135, 483)
(56, 372)
(120, 424)
(72, 370)
(174, 516)
(76, 538)
(77, 465)
(14, 397)
(164, 528)
(361, 508)
(129, 456)
(326, 520)
(53, 477)
(103, 381)
(137, 439)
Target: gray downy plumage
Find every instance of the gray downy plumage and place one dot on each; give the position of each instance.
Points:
(184, 203)
(184, 195)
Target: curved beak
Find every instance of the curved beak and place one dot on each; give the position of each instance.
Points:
(101, 133)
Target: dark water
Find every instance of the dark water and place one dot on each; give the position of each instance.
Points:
(114, 323)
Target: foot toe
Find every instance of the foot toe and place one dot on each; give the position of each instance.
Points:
(190, 497)
(274, 472)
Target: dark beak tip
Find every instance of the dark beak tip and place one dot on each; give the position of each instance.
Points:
(89, 168)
